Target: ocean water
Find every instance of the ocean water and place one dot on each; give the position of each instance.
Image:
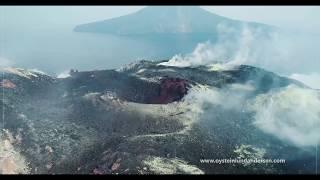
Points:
(54, 51)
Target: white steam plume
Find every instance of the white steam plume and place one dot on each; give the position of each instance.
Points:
(64, 74)
(4, 62)
(291, 114)
(312, 79)
(243, 49)
(277, 51)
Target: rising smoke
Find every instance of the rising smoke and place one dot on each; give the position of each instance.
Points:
(281, 52)
(292, 114)
(4, 62)
(311, 79)
(250, 46)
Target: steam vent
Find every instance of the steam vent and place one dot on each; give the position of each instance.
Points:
(148, 118)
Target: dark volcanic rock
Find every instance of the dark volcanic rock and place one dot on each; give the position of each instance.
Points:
(134, 120)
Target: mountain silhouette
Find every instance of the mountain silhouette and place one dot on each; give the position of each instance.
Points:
(165, 20)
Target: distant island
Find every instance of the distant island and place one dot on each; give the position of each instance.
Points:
(167, 20)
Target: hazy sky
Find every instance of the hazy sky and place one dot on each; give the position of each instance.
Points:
(302, 52)
(304, 18)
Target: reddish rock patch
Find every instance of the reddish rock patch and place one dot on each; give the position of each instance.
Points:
(97, 171)
(171, 89)
(7, 84)
(116, 165)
